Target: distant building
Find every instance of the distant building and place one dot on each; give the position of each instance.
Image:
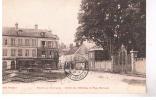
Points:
(23, 47)
(76, 51)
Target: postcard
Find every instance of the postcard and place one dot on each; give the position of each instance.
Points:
(74, 46)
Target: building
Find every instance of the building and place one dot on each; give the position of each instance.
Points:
(77, 52)
(23, 48)
(99, 60)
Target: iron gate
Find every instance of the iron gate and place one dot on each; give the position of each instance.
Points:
(122, 61)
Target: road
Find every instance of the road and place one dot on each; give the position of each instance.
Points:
(94, 82)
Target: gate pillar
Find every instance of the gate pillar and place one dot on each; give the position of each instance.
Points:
(133, 60)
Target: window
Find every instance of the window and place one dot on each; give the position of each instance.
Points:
(26, 52)
(12, 64)
(49, 44)
(43, 43)
(27, 42)
(56, 55)
(4, 65)
(42, 34)
(34, 53)
(13, 52)
(20, 32)
(51, 54)
(34, 42)
(20, 42)
(52, 44)
(20, 52)
(4, 52)
(43, 54)
(56, 45)
(12, 41)
(5, 42)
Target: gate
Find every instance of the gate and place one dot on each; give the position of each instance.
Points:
(122, 61)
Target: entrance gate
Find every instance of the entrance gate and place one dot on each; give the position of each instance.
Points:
(122, 61)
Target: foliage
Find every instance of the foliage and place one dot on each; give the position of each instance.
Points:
(113, 22)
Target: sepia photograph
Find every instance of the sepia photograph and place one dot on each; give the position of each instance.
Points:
(74, 46)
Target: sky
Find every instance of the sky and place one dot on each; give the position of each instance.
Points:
(60, 16)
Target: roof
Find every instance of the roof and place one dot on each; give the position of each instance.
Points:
(96, 48)
(82, 50)
(26, 32)
(89, 44)
(77, 50)
(71, 51)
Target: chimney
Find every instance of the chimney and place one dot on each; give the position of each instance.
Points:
(16, 26)
(49, 31)
(36, 27)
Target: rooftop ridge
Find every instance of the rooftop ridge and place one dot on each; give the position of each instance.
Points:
(29, 32)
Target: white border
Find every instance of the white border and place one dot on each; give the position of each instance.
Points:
(151, 65)
(151, 47)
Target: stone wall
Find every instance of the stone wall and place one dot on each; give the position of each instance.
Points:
(140, 66)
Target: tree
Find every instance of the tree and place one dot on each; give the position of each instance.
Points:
(114, 22)
(61, 47)
(71, 45)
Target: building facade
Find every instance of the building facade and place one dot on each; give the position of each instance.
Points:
(23, 47)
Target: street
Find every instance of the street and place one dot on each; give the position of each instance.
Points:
(94, 82)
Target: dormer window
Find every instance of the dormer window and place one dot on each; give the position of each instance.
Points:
(19, 32)
(42, 34)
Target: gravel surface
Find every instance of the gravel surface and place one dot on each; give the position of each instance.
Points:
(94, 82)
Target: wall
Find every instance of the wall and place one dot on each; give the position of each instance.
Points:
(103, 66)
(140, 66)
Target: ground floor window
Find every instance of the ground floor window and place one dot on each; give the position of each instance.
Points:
(12, 64)
(4, 65)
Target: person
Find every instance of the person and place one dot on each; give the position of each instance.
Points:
(66, 65)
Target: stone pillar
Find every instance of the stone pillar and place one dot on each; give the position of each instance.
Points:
(133, 60)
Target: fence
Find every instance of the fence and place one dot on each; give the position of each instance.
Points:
(103, 66)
